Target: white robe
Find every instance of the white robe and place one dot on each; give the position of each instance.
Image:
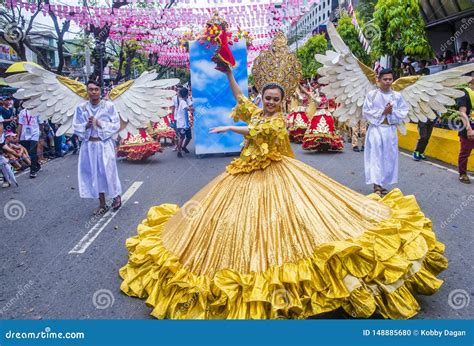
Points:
(97, 170)
(381, 141)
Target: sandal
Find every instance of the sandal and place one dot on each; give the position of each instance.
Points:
(463, 178)
(378, 190)
(101, 211)
(117, 203)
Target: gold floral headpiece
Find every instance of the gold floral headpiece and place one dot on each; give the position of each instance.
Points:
(277, 66)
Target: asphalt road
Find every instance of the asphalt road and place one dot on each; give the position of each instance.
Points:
(46, 272)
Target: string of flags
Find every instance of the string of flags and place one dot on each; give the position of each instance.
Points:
(362, 39)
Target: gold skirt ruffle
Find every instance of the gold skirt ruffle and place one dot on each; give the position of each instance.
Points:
(284, 242)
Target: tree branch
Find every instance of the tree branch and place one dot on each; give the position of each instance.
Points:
(38, 54)
(32, 19)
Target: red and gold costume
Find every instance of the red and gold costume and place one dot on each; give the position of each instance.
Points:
(297, 121)
(138, 147)
(162, 129)
(321, 134)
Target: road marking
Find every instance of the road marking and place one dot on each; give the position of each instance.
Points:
(94, 232)
(436, 165)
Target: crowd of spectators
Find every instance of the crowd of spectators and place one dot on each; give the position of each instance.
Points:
(26, 142)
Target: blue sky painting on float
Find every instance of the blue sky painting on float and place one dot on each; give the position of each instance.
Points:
(213, 100)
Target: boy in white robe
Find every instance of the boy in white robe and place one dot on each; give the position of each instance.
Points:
(95, 122)
(383, 109)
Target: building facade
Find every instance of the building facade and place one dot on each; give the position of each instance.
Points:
(312, 22)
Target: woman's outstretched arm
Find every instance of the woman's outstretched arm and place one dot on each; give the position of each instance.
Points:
(233, 85)
(243, 130)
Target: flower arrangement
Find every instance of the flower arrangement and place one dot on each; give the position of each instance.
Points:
(215, 34)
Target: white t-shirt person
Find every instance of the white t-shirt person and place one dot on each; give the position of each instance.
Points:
(181, 113)
(29, 126)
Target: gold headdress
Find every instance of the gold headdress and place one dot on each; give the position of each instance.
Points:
(277, 66)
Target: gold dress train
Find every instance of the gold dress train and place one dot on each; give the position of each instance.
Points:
(274, 238)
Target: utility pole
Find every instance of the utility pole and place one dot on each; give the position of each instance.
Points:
(297, 38)
(101, 47)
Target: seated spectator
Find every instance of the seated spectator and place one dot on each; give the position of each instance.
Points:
(58, 141)
(407, 68)
(45, 143)
(423, 69)
(448, 57)
(17, 155)
(471, 52)
(7, 114)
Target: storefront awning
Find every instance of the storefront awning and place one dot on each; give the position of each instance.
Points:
(440, 11)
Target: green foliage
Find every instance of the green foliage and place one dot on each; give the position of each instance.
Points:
(350, 35)
(451, 116)
(251, 80)
(401, 30)
(183, 74)
(365, 10)
(315, 45)
(139, 64)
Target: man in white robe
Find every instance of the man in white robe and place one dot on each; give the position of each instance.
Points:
(383, 109)
(95, 122)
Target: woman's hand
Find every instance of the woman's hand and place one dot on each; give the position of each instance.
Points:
(219, 129)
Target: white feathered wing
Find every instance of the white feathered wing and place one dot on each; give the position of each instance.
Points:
(145, 100)
(47, 96)
(345, 80)
(430, 94)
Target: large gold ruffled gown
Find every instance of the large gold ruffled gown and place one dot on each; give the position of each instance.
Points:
(274, 238)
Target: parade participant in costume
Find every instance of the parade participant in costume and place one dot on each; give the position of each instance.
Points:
(415, 98)
(138, 146)
(321, 134)
(298, 119)
(383, 109)
(243, 248)
(358, 133)
(79, 109)
(162, 129)
(95, 122)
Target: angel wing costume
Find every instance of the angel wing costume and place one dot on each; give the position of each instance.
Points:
(97, 169)
(381, 141)
(415, 98)
(132, 105)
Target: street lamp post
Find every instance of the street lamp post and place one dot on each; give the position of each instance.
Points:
(101, 51)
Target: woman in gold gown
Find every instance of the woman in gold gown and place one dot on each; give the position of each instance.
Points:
(274, 238)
